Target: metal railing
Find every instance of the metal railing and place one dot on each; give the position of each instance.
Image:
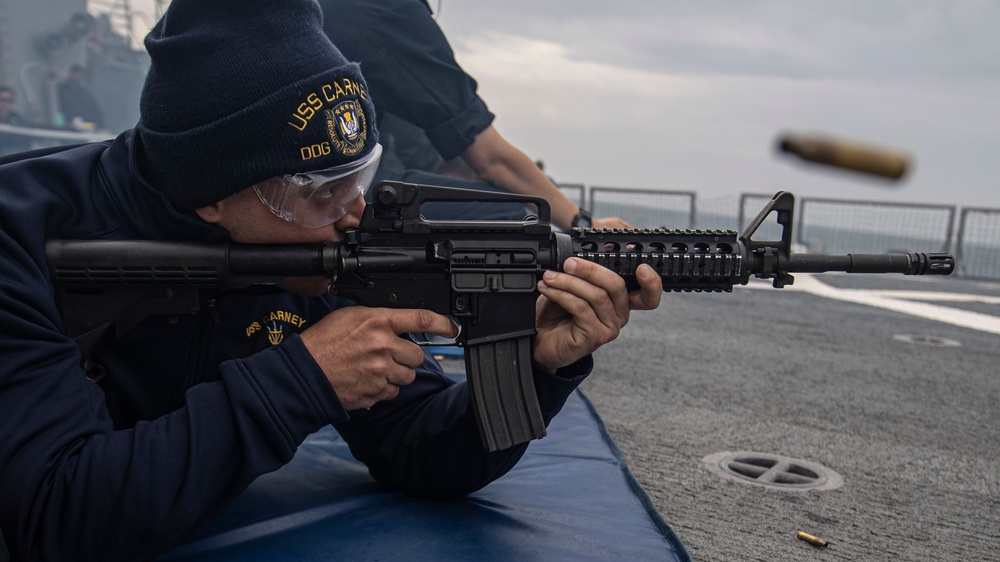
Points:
(834, 226)
(576, 192)
(977, 247)
(645, 208)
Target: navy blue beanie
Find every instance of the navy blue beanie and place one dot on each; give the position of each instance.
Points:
(238, 92)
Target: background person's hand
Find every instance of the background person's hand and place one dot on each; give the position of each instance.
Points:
(610, 222)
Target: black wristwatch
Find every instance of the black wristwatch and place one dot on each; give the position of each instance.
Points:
(583, 219)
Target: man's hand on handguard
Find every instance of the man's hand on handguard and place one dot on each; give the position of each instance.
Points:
(585, 307)
(362, 355)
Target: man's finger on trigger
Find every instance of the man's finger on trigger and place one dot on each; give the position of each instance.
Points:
(406, 321)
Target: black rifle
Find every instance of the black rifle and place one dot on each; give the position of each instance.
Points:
(483, 274)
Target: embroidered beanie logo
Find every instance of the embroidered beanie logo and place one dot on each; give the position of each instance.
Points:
(347, 126)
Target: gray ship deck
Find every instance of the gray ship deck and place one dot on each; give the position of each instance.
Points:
(912, 428)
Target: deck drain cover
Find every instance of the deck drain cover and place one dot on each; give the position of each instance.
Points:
(773, 471)
(933, 341)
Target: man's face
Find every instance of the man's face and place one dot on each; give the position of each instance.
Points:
(249, 221)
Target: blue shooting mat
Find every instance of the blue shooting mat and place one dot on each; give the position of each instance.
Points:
(571, 497)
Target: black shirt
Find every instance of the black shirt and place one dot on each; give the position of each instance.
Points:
(410, 68)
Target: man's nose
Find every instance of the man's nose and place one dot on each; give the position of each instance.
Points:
(353, 217)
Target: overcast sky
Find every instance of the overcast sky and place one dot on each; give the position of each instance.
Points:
(691, 95)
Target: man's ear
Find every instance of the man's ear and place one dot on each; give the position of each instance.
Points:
(210, 213)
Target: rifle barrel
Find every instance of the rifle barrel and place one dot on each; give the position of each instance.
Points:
(913, 263)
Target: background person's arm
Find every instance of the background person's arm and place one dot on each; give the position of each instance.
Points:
(502, 164)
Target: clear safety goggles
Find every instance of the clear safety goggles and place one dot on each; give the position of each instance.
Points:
(319, 198)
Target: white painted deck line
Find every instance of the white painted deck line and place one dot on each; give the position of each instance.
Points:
(902, 302)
